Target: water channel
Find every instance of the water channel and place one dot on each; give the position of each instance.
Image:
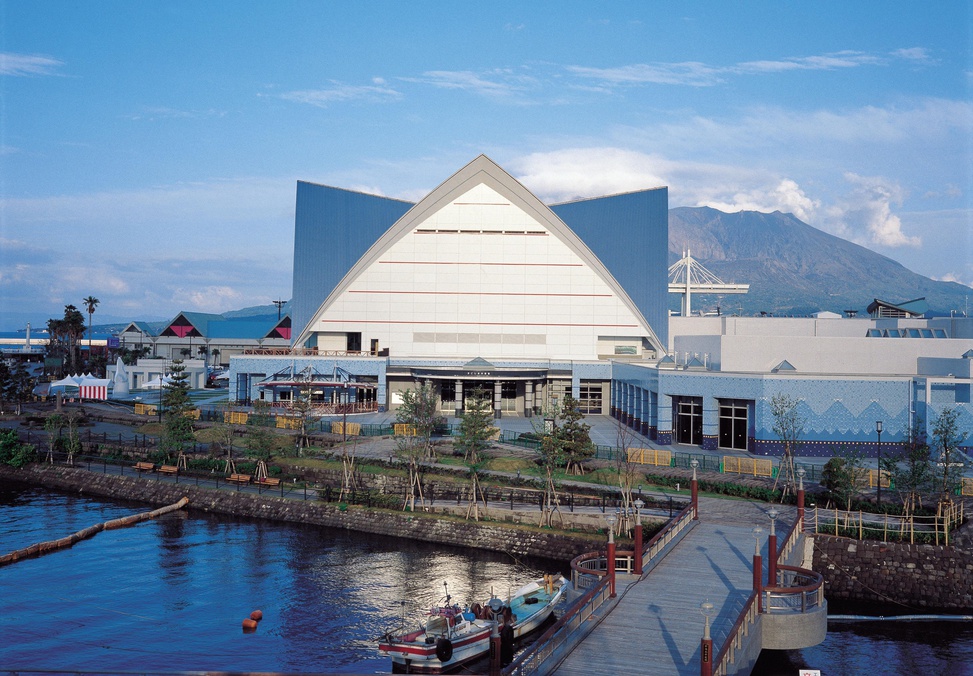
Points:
(170, 595)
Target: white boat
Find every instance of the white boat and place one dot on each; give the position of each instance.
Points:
(452, 637)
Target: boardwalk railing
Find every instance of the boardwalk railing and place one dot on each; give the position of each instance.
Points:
(561, 632)
(735, 640)
(589, 568)
(797, 590)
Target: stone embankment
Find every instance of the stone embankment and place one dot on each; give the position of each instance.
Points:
(518, 541)
(921, 577)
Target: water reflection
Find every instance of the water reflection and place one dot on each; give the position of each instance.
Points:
(123, 599)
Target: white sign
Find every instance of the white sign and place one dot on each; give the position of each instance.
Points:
(809, 672)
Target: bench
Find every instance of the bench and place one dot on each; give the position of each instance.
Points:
(239, 478)
(144, 467)
(169, 469)
(269, 481)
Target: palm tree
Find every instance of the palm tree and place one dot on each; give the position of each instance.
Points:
(90, 304)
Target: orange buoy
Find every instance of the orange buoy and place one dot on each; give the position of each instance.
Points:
(249, 625)
(256, 615)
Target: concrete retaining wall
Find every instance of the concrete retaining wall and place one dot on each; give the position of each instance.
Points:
(926, 577)
(417, 526)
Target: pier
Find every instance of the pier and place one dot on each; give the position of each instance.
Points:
(717, 586)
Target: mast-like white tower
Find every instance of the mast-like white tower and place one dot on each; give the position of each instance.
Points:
(687, 276)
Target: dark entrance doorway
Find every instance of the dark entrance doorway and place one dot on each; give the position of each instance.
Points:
(689, 421)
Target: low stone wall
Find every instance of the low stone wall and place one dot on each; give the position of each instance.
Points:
(415, 526)
(927, 577)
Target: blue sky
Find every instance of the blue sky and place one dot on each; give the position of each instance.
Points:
(149, 152)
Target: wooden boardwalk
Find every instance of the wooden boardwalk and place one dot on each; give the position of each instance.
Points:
(656, 626)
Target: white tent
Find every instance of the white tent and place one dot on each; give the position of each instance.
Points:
(157, 383)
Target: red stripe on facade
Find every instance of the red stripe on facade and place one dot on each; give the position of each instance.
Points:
(366, 321)
(489, 293)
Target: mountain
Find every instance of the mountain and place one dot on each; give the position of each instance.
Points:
(794, 268)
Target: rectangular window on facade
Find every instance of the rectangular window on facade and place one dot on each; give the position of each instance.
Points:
(734, 424)
(689, 421)
(590, 398)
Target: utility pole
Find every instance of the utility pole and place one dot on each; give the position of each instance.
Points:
(279, 303)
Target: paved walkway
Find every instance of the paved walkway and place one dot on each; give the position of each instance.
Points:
(656, 626)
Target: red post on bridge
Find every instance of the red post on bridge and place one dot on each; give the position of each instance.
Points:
(706, 645)
(611, 555)
(638, 535)
(694, 488)
(758, 568)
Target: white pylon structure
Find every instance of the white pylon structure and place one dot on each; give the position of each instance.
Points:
(687, 276)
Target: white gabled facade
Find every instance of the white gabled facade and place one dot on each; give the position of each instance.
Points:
(481, 267)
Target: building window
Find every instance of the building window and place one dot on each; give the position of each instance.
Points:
(734, 424)
(689, 421)
(447, 396)
(589, 398)
(508, 397)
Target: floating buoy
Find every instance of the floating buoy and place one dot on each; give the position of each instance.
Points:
(249, 625)
(257, 615)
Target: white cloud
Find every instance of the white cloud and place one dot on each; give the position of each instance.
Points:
(690, 73)
(698, 74)
(500, 83)
(27, 64)
(342, 93)
(864, 214)
(564, 175)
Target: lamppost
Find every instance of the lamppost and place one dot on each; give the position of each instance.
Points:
(707, 610)
(772, 549)
(757, 567)
(694, 490)
(800, 496)
(638, 535)
(610, 520)
(878, 430)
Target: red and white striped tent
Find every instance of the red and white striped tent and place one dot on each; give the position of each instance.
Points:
(94, 388)
(84, 386)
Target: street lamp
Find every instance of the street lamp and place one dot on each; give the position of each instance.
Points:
(878, 430)
(800, 495)
(694, 490)
(610, 520)
(772, 549)
(638, 535)
(708, 611)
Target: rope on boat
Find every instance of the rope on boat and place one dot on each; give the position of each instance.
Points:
(40, 548)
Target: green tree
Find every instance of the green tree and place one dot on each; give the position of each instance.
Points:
(475, 426)
(910, 472)
(177, 425)
(260, 440)
(419, 410)
(90, 303)
(64, 336)
(845, 476)
(947, 438)
(12, 451)
(788, 426)
(475, 430)
(6, 384)
(575, 437)
(53, 424)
